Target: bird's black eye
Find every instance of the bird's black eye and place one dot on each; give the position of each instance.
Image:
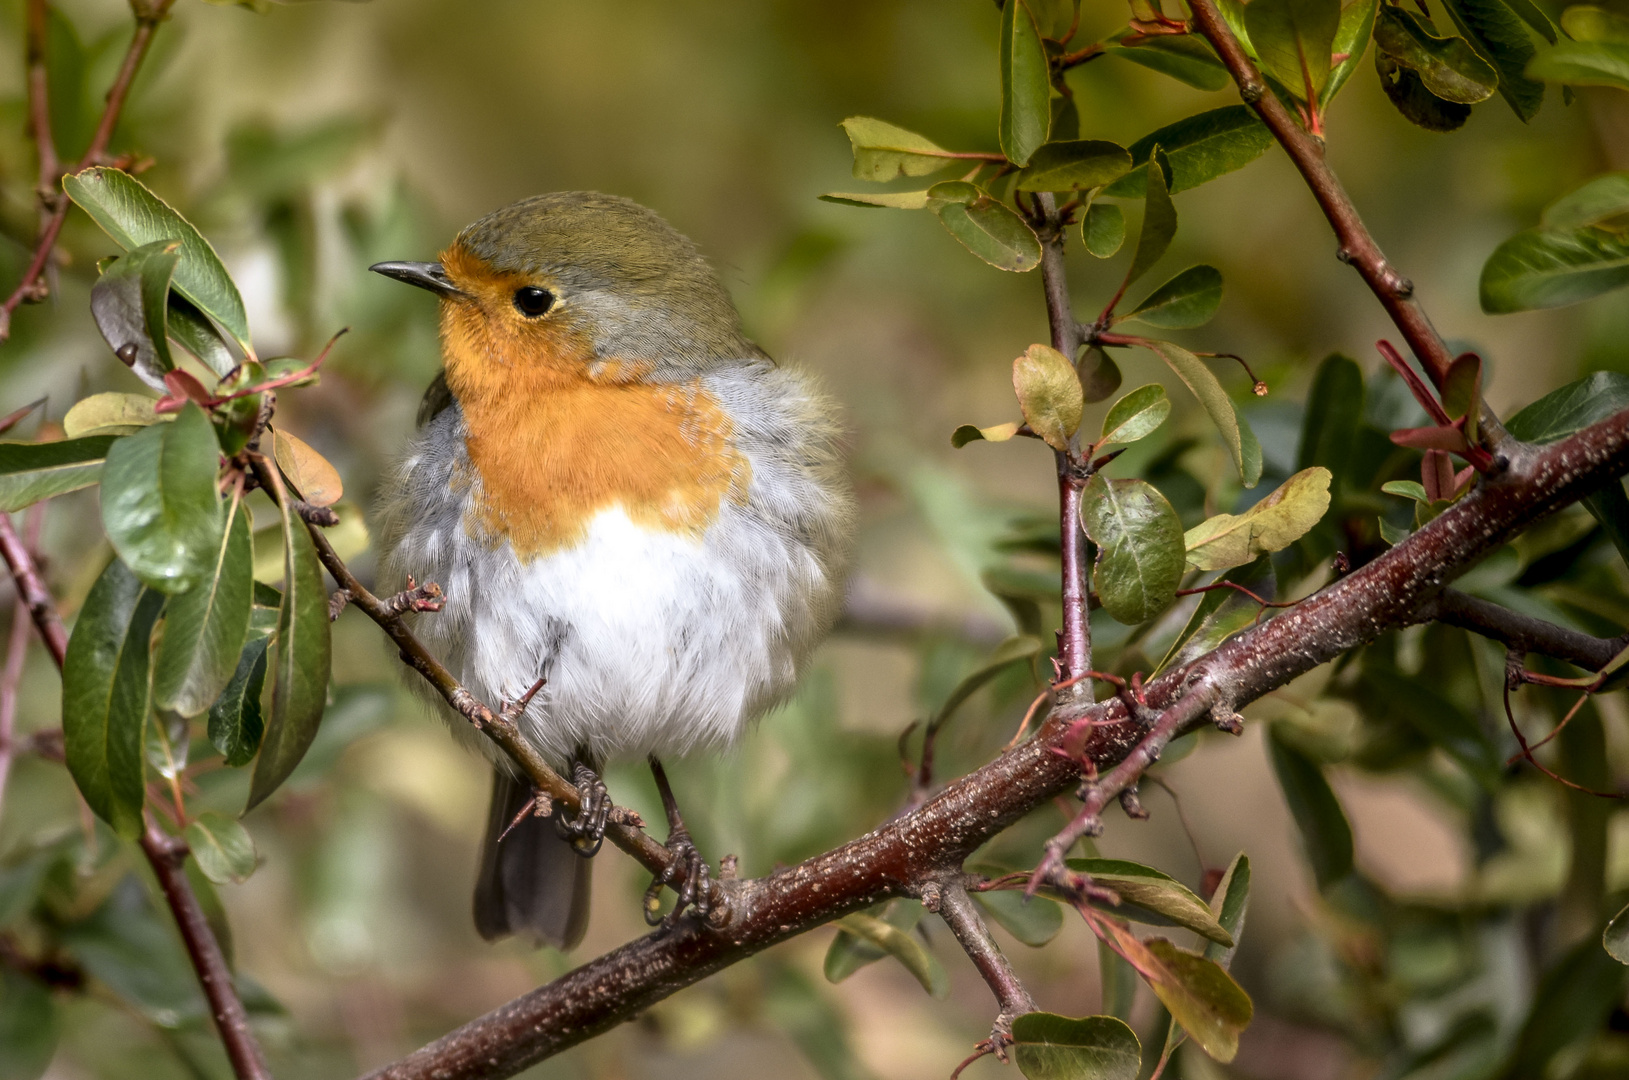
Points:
(532, 301)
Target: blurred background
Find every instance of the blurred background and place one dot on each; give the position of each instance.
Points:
(310, 140)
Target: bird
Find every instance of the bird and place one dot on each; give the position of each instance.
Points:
(633, 512)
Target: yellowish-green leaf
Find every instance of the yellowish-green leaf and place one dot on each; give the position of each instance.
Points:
(1103, 229)
(1026, 85)
(1235, 430)
(1273, 524)
(903, 947)
(883, 151)
(1136, 415)
(1046, 1046)
(994, 433)
(111, 414)
(222, 846)
(893, 200)
(1078, 165)
(1050, 394)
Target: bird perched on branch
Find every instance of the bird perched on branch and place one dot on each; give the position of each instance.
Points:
(621, 496)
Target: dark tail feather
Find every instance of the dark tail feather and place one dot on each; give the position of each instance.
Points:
(532, 884)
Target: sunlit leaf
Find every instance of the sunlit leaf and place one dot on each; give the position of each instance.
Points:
(1324, 830)
(315, 480)
(1074, 166)
(1293, 40)
(1200, 149)
(1026, 85)
(105, 696)
(1352, 39)
(883, 151)
(994, 433)
(110, 414)
(985, 226)
(1272, 524)
(1603, 198)
(1046, 1046)
(222, 846)
(1587, 22)
(1229, 905)
(894, 200)
(1234, 428)
(205, 627)
(159, 502)
(1151, 896)
(30, 472)
(1049, 393)
(134, 216)
(1189, 299)
(1543, 268)
(1103, 229)
(1200, 995)
(1136, 415)
(1139, 540)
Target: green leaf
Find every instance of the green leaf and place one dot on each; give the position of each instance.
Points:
(1449, 68)
(1079, 165)
(1572, 408)
(134, 217)
(30, 472)
(1100, 375)
(28, 1026)
(1333, 414)
(994, 433)
(1046, 1046)
(110, 414)
(902, 946)
(1407, 489)
(205, 627)
(126, 946)
(235, 721)
(986, 227)
(300, 675)
(1221, 613)
(1293, 41)
(1026, 85)
(159, 502)
(104, 696)
(1585, 22)
(1570, 1004)
(1229, 905)
(1418, 105)
(1034, 922)
(1583, 63)
(1015, 649)
(850, 952)
(1498, 34)
(1273, 524)
(1136, 415)
(1462, 390)
(1200, 149)
(128, 303)
(222, 846)
(1159, 220)
(1139, 539)
(1615, 939)
(893, 200)
(1234, 428)
(1603, 198)
(1103, 229)
(1187, 58)
(1543, 268)
(1356, 26)
(1189, 299)
(1202, 997)
(193, 331)
(1049, 393)
(1318, 814)
(883, 151)
(1150, 896)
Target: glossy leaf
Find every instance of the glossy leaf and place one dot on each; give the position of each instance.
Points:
(986, 227)
(1293, 40)
(1448, 67)
(1049, 393)
(1352, 39)
(236, 724)
(1184, 57)
(315, 480)
(1079, 165)
(1229, 905)
(105, 696)
(30, 472)
(1333, 414)
(1099, 375)
(1615, 939)
(893, 200)
(1583, 63)
(159, 502)
(1139, 539)
(902, 946)
(300, 674)
(1501, 38)
(1543, 268)
(1418, 105)
(1034, 922)
(1572, 408)
(1273, 524)
(1318, 815)
(1200, 148)
(994, 433)
(205, 627)
(222, 846)
(1199, 994)
(1103, 229)
(1187, 300)
(1026, 85)
(134, 216)
(1159, 221)
(128, 303)
(28, 1026)
(192, 330)
(1241, 441)
(883, 151)
(1136, 415)
(1151, 896)
(110, 414)
(1603, 198)
(1046, 1046)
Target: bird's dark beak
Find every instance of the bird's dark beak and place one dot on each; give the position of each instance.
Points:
(426, 275)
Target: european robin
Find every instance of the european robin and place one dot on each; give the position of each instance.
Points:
(622, 496)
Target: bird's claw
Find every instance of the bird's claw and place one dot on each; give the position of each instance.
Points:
(586, 827)
(690, 877)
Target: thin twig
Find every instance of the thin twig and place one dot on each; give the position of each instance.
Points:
(11, 678)
(31, 590)
(965, 922)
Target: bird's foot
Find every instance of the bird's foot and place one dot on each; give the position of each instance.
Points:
(690, 877)
(586, 828)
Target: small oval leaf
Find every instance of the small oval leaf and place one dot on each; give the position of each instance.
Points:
(1103, 229)
(159, 502)
(1205, 386)
(1200, 149)
(110, 414)
(1046, 1046)
(1139, 539)
(1049, 393)
(1136, 415)
(1026, 85)
(989, 229)
(1078, 165)
(315, 480)
(1187, 300)
(994, 433)
(222, 846)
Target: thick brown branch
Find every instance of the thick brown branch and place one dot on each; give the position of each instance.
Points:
(962, 916)
(928, 843)
(1357, 246)
(149, 13)
(1524, 633)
